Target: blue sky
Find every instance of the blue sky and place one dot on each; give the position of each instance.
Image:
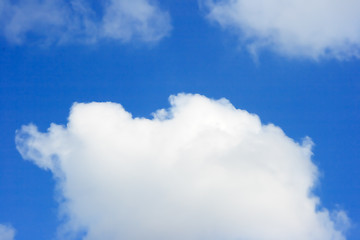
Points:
(307, 85)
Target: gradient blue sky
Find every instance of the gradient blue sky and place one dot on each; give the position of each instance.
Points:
(305, 97)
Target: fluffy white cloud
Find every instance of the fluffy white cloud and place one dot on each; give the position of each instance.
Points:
(295, 28)
(82, 21)
(6, 232)
(201, 169)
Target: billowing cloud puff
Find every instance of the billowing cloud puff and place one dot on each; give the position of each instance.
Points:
(201, 169)
(6, 232)
(295, 28)
(82, 21)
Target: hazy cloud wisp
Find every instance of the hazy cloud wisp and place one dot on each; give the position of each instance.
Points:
(82, 21)
(201, 169)
(7, 232)
(296, 28)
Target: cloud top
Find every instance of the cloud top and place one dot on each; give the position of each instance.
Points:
(6, 232)
(311, 29)
(82, 21)
(201, 169)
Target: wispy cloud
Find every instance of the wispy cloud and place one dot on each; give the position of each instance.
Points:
(60, 21)
(7, 232)
(311, 29)
(201, 169)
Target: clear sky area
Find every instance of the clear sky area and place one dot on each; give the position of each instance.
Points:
(179, 119)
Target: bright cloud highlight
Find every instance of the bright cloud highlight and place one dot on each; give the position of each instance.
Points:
(62, 21)
(201, 169)
(296, 28)
(6, 232)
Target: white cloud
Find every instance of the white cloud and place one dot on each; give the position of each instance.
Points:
(6, 232)
(199, 170)
(126, 19)
(62, 21)
(295, 28)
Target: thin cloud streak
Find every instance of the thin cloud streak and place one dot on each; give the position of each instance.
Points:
(58, 21)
